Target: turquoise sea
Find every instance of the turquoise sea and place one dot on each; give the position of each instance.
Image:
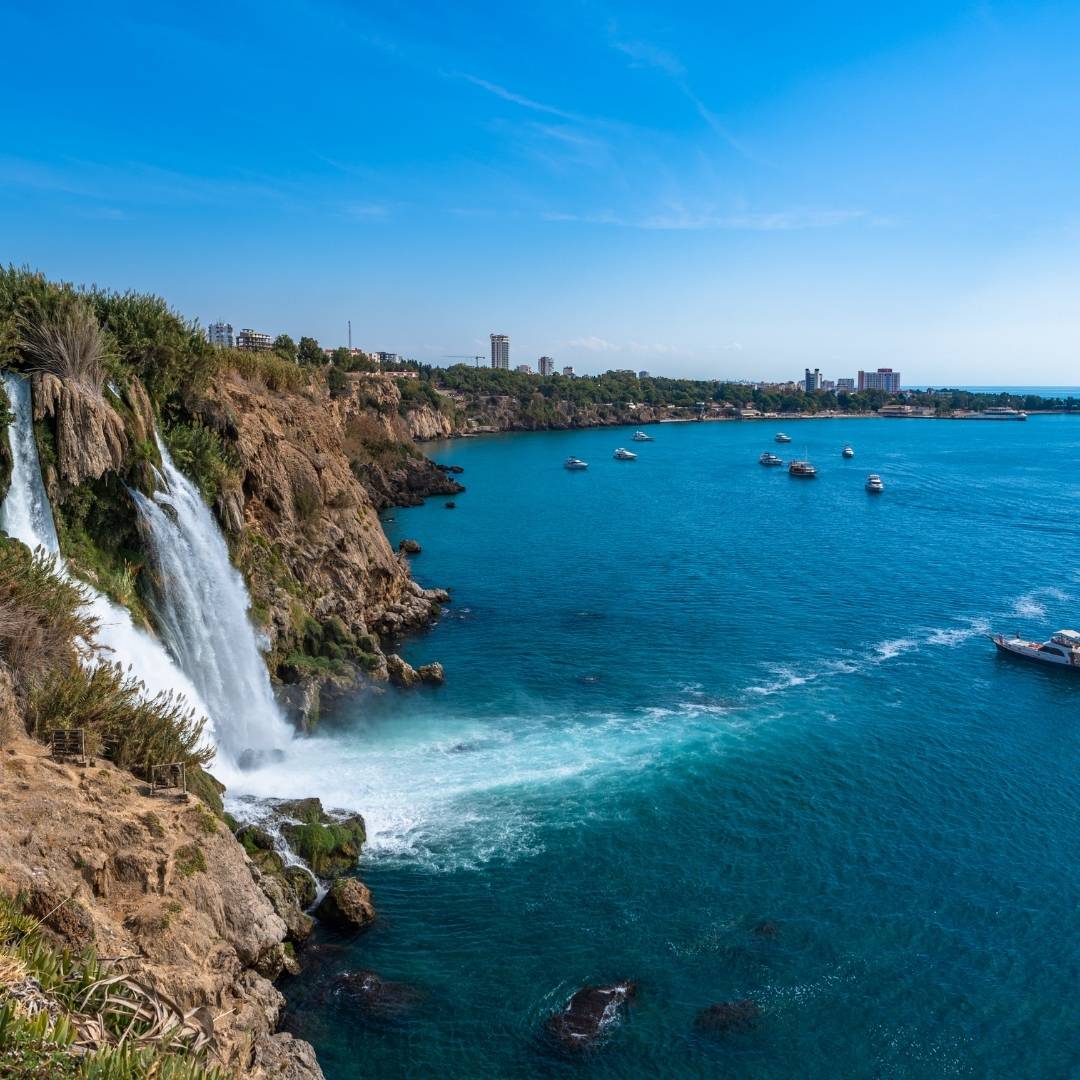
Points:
(689, 694)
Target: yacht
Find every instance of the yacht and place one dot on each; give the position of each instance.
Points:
(999, 412)
(575, 463)
(624, 455)
(874, 484)
(801, 468)
(781, 437)
(847, 452)
(770, 459)
(641, 436)
(1062, 649)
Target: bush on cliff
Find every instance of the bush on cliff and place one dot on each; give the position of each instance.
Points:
(202, 455)
(133, 731)
(66, 1015)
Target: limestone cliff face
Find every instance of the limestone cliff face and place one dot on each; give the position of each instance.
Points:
(161, 886)
(501, 412)
(304, 528)
(90, 435)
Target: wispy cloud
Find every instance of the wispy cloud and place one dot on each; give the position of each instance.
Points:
(367, 211)
(592, 343)
(519, 99)
(644, 54)
(677, 218)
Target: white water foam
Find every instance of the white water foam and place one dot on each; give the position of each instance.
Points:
(201, 605)
(27, 516)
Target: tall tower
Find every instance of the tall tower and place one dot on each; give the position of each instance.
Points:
(500, 351)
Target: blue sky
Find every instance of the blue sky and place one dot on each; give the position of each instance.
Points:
(727, 190)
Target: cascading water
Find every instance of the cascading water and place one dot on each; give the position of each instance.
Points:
(27, 516)
(201, 606)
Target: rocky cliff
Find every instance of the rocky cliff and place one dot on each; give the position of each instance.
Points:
(159, 888)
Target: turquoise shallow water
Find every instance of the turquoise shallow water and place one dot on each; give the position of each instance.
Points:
(689, 693)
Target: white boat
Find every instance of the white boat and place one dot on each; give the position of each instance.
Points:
(847, 452)
(999, 412)
(770, 459)
(641, 436)
(874, 484)
(623, 454)
(574, 463)
(802, 469)
(781, 437)
(1062, 649)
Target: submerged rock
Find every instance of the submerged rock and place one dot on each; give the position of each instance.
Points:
(766, 929)
(374, 995)
(450, 505)
(348, 905)
(728, 1016)
(588, 1013)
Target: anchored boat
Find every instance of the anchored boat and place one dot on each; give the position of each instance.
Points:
(801, 468)
(641, 436)
(847, 452)
(1062, 649)
(622, 454)
(575, 464)
(874, 484)
(770, 459)
(781, 437)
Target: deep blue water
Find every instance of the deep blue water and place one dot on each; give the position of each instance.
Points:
(689, 693)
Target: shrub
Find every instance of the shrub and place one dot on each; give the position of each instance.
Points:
(201, 454)
(267, 368)
(190, 860)
(42, 615)
(133, 731)
(68, 344)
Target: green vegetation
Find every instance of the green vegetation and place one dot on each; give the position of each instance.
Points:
(202, 455)
(133, 731)
(65, 1015)
(267, 368)
(310, 352)
(190, 860)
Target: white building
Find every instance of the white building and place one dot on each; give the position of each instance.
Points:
(500, 351)
(845, 384)
(254, 341)
(883, 379)
(524, 369)
(221, 333)
(568, 371)
(546, 365)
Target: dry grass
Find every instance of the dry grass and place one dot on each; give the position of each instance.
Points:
(68, 344)
(265, 368)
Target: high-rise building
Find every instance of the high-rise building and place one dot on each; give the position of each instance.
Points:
(253, 341)
(845, 384)
(812, 380)
(524, 369)
(546, 365)
(500, 351)
(883, 379)
(642, 374)
(568, 371)
(221, 333)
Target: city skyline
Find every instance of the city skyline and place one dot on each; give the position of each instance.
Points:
(718, 192)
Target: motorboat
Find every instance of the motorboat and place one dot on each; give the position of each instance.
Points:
(781, 437)
(623, 454)
(1062, 649)
(575, 464)
(1000, 412)
(802, 469)
(770, 459)
(847, 452)
(641, 436)
(874, 484)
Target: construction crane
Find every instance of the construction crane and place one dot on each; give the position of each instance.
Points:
(476, 358)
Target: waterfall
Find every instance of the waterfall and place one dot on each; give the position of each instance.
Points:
(201, 607)
(27, 516)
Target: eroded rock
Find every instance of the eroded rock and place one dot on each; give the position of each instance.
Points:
(347, 904)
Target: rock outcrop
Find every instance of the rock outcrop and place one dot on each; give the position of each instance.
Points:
(588, 1013)
(158, 882)
(728, 1016)
(347, 904)
(89, 432)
